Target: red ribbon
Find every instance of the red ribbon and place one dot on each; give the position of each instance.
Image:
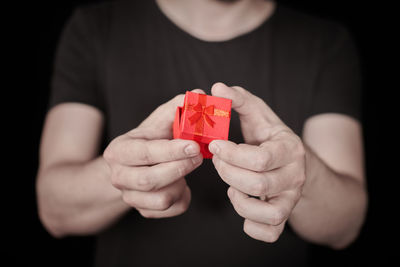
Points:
(202, 113)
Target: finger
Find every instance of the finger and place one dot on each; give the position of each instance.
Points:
(267, 156)
(161, 199)
(199, 91)
(249, 182)
(263, 232)
(176, 209)
(137, 152)
(248, 106)
(152, 178)
(261, 211)
(163, 116)
(259, 184)
(242, 155)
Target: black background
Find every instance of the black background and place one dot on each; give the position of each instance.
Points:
(35, 41)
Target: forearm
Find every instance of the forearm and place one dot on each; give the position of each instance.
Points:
(78, 198)
(332, 208)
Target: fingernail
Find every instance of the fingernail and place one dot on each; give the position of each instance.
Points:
(196, 160)
(190, 150)
(214, 148)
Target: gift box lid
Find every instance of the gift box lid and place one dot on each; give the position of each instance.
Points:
(205, 117)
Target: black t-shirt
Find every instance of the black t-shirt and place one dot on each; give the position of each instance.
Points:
(126, 58)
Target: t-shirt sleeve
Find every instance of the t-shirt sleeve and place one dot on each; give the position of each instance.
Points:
(338, 84)
(75, 72)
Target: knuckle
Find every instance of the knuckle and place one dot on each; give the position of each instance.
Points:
(283, 132)
(272, 236)
(145, 183)
(222, 168)
(176, 101)
(128, 200)
(259, 189)
(295, 146)
(186, 198)
(282, 149)
(250, 229)
(269, 235)
(299, 180)
(178, 97)
(239, 207)
(185, 205)
(278, 217)
(182, 207)
(143, 154)
(240, 89)
(181, 169)
(165, 201)
(225, 173)
(171, 154)
(147, 214)
(116, 180)
(297, 174)
(297, 195)
(246, 227)
(109, 154)
(261, 161)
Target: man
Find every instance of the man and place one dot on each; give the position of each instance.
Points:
(293, 170)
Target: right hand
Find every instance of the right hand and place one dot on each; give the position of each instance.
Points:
(149, 168)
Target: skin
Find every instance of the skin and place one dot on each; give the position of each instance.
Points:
(315, 183)
(324, 201)
(81, 193)
(211, 20)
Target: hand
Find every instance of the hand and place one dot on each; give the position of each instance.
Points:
(149, 168)
(271, 165)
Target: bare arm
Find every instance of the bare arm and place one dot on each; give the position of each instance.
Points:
(73, 187)
(82, 193)
(333, 205)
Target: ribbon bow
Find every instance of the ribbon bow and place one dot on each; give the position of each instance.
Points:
(202, 112)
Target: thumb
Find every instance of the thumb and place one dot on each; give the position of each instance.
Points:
(163, 116)
(166, 112)
(252, 110)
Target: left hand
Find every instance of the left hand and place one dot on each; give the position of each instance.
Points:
(270, 165)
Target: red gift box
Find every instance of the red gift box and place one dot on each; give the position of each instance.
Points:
(203, 118)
